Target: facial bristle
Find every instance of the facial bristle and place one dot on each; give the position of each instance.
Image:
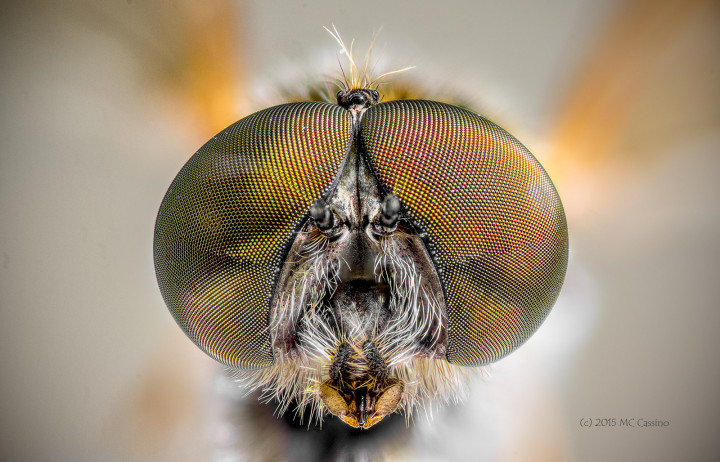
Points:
(416, 316)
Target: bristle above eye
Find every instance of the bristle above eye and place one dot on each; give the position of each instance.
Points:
(357, 77)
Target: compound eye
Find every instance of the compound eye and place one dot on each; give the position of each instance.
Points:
(492, 220)
(229, 215)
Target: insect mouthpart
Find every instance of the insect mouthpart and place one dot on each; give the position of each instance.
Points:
(356, 303)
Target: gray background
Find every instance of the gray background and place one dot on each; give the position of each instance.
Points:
(102, 102)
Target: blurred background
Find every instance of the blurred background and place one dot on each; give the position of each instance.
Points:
(103, 102)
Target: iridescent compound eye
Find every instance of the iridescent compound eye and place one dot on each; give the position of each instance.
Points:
(229, 217)
(354, 257)
(496, 229)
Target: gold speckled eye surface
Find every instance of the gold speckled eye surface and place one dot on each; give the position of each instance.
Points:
(495, 226)
(227, 220)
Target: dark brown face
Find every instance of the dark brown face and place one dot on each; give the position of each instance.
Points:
(359, 288)
(353, 258)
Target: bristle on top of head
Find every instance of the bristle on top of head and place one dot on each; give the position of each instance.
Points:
(356, 77)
